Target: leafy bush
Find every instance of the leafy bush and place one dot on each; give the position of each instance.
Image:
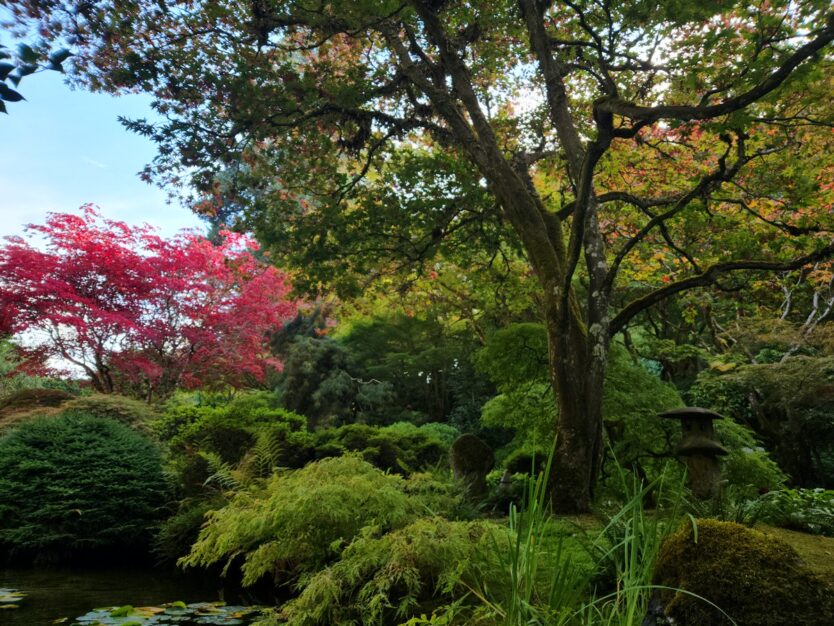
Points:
(178, 533)
(387, 579)
(527, 459)
(229, 431)
(401, 448)
(183, 421)
(297, 522)
(442, 432)
(808, 510)
(748, 467)
(788, 404)
(278, 446)
(73, 483)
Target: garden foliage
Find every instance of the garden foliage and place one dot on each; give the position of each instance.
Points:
(75, 484)
(297, 522)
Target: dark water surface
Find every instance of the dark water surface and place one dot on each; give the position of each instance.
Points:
(55, 593)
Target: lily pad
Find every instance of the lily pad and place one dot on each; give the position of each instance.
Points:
(11, 598)
(174, 613)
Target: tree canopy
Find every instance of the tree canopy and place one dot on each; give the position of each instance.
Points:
(137, 312)
(628, 151)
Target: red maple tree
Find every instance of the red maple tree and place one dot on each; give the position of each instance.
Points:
(139, 313)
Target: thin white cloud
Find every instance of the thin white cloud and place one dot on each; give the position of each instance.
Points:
(94, 163)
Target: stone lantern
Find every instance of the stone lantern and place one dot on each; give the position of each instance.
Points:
(699, 448)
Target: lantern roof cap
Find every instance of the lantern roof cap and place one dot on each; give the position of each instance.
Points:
(697, 444)
(691, 412)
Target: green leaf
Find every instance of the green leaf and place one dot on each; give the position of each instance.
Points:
(122, 611)
(26, 69)
(59, 56)
(26, 54)
(15, 78)
(8, 94)
(5, 69)
(3, 108)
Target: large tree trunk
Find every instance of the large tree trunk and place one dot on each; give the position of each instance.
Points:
(577, 364)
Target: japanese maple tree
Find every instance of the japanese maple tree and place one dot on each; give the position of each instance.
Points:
(139, 313)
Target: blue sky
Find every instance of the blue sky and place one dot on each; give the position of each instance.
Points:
(62, 148)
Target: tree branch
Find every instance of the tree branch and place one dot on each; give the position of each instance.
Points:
(647, 115)
(709, 276)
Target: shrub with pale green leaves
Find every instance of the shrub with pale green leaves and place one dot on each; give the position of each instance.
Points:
(385, 579)
(296, 522)
(402, 448)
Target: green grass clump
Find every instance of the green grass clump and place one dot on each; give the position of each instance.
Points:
(74, 484)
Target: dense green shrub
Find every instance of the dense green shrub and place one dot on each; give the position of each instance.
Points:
(401, 448)
(278, 446)
(527, 459)
(182, 421)
(788, 405)
(297, 522)
(72, 483)
(442, 432)
(754, 578)
(178, 533)
(229, 431)
(748, 467)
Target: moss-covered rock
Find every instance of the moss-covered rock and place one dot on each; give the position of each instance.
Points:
(755, 578)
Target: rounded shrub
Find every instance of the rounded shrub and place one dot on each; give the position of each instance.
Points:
(111, 406)
(77, 484)
(755, 579)
(27, 399)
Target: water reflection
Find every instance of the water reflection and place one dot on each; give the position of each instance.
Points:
(55, 593)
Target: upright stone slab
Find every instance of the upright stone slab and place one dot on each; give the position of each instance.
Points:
(471, 460)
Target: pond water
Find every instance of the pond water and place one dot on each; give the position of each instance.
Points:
(53, 594)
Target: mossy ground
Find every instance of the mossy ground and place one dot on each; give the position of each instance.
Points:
(817, 552)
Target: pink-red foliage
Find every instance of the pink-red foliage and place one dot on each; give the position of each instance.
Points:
(141, 313)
